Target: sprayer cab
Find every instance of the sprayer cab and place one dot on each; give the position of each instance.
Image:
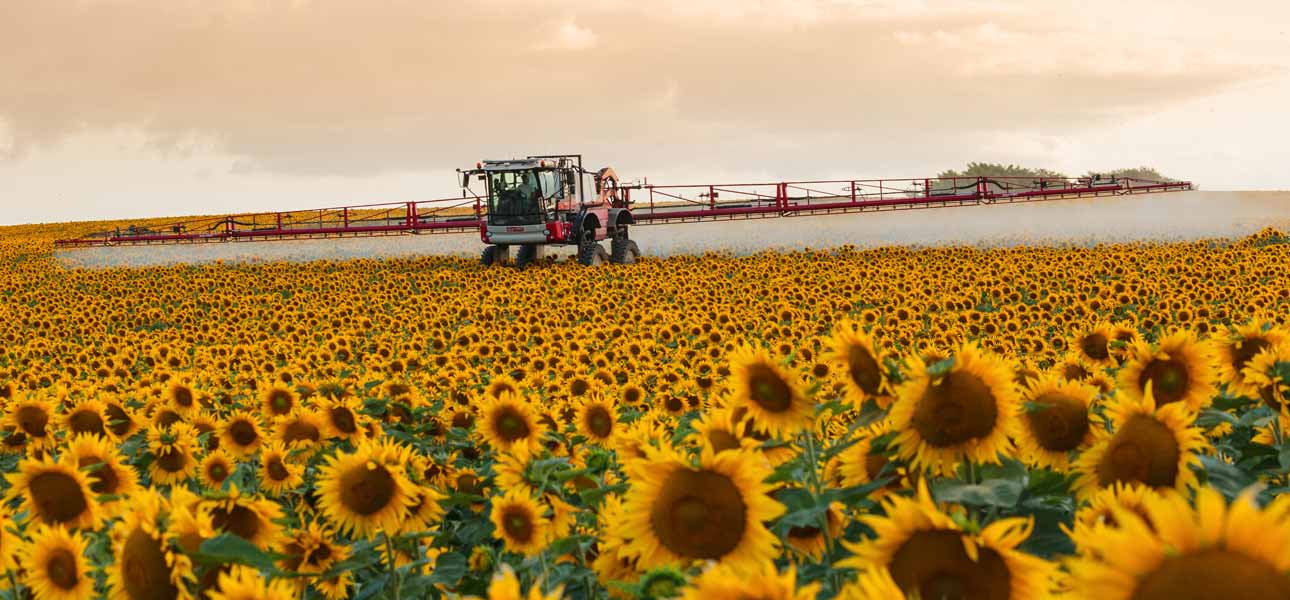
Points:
(545, 200)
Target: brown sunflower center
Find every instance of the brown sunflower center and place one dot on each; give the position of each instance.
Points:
(32, 420)
(105, 480)
(183, 396)
(468, 484)
(277, 470)
(864, 370)
(510, 424)
(143, 568)
(934, 564)
(462, 419)
(958, 408)
(1060, 423)
(238, 520)
(599, 422)
(1094, 346)
(579, 386)
(367, 491)
(722, 440)
(518, 524)
(61, 569)
(172, 460)
(1074, 372)
(1168, 378)
(1143, 450)
(632, 395)
(217, 472)
(280, 402)
(167, 417)
(674, 404)
(343, 420)
(699, 514)
(768, 390)
(300, 431)
(58, 497)
(119, 422)
(86, 421)
(243, 432)
(1249, 348)
(1212, 573)
(319, 556)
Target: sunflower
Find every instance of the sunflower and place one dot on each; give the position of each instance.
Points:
(598, 418)
(1094, 345)
(506, 586)
(312, 549)
(954, 410)
(1100, 509)
(676, 512)
(109, 475)
(173, 454)
(367, 490)
(813, 541)
(54, 492)
(278, 400)
(245, 583)
(343, 418)
(1179, 369)
(180, 396)
(32, 417)
(277, 472)
(54, 565)
(240, 434)
(773, 398)
(508, 420)
(929, 555)
(854, 354)
(86, 416)
(145, 567)
(120, 419)
(1153, 446)
(251, 518)
(215, 469)
(8, 543)
(765, 583)
(425, 510)
(1261, 373)
(302, 427)
(718, 430)
(1053, 421)
(874, 584)
(502, 384)
(1235, 352)
(520, 524)
(858, 464)
(1215, 550)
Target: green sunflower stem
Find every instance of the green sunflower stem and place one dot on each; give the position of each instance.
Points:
(395, 576)
(816, 490)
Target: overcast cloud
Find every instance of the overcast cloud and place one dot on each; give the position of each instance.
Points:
(132, 107)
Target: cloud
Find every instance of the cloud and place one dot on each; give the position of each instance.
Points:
(357, 88)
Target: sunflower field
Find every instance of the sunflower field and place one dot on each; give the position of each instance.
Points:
(1039, 421)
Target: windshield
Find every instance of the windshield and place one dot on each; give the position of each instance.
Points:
(517, 197)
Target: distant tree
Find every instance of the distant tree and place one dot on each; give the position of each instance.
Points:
(978, 169)
(1136, 173)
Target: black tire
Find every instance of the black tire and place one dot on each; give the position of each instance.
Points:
(495, 255)
(591, 253)
(624, 251)
(527, 254)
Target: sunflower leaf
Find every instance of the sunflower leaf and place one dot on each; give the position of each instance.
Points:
(449, 568)
(1003, 493)
(229, 548)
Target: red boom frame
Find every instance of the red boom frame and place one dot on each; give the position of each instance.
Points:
(661, 204)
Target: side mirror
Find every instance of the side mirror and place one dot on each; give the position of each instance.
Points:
(570, 178)
(465, 180)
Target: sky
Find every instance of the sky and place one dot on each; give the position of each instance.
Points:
(133, 108)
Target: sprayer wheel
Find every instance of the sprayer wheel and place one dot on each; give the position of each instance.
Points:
(495, 255)
(591, 253)
(624, 252)
(528, 253)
